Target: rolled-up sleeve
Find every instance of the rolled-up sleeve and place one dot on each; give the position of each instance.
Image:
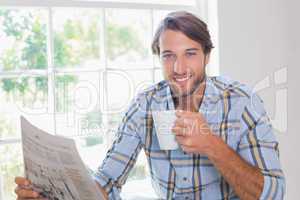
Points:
(122, 155)
(259, 147)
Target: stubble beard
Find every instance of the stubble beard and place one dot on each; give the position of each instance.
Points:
(178, 94)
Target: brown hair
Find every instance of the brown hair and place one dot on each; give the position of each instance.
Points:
(187, 23)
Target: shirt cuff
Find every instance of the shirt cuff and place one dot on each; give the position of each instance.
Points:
(274, 188)
(267, 188)
(113, 192)
(100, 180)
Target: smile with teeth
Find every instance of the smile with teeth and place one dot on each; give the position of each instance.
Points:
(182, 79)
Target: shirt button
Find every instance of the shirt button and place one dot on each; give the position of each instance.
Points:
(186, 198)
(184, 178)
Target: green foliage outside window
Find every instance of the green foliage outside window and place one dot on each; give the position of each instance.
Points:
(27, 29)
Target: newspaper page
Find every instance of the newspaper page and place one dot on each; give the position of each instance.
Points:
(54, 166)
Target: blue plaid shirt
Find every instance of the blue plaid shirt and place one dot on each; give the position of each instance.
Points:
(234, 113)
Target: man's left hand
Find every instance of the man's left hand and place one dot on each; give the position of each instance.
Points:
(192, 132)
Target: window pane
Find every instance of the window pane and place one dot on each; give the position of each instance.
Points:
(92, 149)
(79, 114)
(158, 75)
(27, 96)
(23, 39)
(77, 104)
(124, 85)
(128, 37)
(156, 61)
(11, 165)
(158, 15)
(76, 37)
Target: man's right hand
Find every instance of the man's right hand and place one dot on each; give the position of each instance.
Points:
(24, 190)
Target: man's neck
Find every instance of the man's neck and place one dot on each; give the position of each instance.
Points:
(191, 102)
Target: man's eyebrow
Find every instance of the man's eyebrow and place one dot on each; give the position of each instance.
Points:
(192, 49)
(189, 49)
(166, 51)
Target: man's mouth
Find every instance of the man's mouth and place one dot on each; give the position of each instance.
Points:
(182, 79)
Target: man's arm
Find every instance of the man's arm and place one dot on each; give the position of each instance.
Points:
(259, 147)
(246, 180)
(253, 170)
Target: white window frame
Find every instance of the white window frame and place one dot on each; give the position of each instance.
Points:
(206, 9)
(51, 71)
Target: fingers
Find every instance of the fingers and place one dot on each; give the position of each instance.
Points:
(18, 198)
(186, 118)
(180, 131)
(22, 181)
(183, 126)
(180, 122)
(178, 126)
(25, 193)
(186, 144)
(183, 113)
(24, 189)
(189, 149)
(183, 141)
(188, 114)
(184, 122)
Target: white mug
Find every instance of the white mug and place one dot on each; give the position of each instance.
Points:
(163, 122)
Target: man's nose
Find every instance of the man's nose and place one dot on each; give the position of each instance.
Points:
(179, 66)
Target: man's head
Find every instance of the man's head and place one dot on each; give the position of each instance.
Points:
(183, 44)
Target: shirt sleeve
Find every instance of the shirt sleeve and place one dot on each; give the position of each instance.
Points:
(122, 155)
(259, 147)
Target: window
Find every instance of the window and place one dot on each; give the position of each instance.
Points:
(71, 68)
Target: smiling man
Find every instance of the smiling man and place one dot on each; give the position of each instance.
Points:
(227, 146)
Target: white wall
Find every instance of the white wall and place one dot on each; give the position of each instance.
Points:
(257, 38)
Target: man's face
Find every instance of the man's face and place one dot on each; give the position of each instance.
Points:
(183, 62)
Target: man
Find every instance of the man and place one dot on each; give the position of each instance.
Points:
(227, 146)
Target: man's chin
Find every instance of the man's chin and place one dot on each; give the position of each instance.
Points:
(181, 93)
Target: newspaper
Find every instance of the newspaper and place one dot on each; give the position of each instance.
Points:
(53, 165)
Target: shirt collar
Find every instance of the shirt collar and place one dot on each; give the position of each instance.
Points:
(211, 96)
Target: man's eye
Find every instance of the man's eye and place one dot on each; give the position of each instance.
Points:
(168, 56)
(188, 54)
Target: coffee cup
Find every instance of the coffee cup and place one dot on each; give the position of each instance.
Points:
(163, 122)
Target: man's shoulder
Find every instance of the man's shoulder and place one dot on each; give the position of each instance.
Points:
(232, 87)
(240, 95)
(154, 89)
